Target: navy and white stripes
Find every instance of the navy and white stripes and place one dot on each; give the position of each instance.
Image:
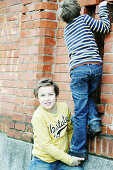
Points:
(80, 39)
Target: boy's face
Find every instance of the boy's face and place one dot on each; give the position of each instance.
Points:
(47, 98)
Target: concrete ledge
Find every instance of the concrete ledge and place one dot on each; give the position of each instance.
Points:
(16, 155)
(98, 163)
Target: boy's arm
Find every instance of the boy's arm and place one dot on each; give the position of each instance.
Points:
(102, 25)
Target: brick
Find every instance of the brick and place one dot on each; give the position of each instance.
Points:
(64, 77)
(109, 38)
(106, 98)
(25, 2)
(41, 75)
(14, 134)
(29, 102)
(104, 129)
(18, 117)
(21, 84)
(13, 17)
(61, 51)
(11, 124)
(14, 2)
(3, 4)
(45, 50)
(87, 2)
(60, 42)
(29, 128)
(31, 7)
(27, 137)
(10, 133)
(109, 109)
(98, 145)
(45, 24)
(58, 35)
(46, 5)
(107, 68)
(2, 19)
(31, 84)
(71, 106)
(41, 41)
(107, 79)
(42, 32)
(61, 25)
(23, 51)
(61, 68)
(111, 26)
(26, 76)
(104, 146)
(0, 126)
(44, 59)
(28, 118)
(54, 0)
(62, 86)
(110, 148)
(92, 144)
(108, 58)
(106, 120)
(106, 88)
(24, 109)
(24, 9)
(108, 48)
(40, 67)
(20, 126)
(22, 67)
(24, 34)
(110, 129)
(44, 15)
(26, 18)
(64, 95)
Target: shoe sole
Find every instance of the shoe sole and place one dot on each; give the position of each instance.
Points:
(95, 133)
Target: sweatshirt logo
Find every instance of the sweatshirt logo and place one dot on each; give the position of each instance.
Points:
(60, 125)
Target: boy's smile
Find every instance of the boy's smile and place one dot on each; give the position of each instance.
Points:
(47, 98)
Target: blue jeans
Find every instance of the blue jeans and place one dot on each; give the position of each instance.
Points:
(37, 164)
(84, 80)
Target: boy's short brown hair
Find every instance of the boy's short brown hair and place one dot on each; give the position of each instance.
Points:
(46, 82)
(69, 9)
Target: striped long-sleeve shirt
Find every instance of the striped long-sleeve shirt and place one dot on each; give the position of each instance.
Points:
(80, 40)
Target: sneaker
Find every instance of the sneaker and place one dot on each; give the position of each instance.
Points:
(80, 155)
(94, 128)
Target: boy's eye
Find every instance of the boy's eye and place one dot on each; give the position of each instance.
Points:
(51, 94)
(42, 95)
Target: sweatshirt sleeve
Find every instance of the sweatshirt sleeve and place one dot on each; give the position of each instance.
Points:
(102, 25)
(41, 131)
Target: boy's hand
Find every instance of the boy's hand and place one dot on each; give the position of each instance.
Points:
(77, 161)
(103, 3)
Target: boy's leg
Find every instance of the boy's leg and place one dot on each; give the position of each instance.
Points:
(93, 119)
(37, 164)
(79, 88)
(63, 166)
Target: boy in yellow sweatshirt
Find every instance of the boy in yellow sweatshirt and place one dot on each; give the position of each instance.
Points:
(52, 130)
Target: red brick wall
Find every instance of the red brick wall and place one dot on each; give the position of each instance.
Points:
(32, 47)
(10, 24)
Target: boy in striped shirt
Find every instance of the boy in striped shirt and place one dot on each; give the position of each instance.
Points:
(85, 68)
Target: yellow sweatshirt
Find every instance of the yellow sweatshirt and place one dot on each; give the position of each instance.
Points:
(51, 133)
